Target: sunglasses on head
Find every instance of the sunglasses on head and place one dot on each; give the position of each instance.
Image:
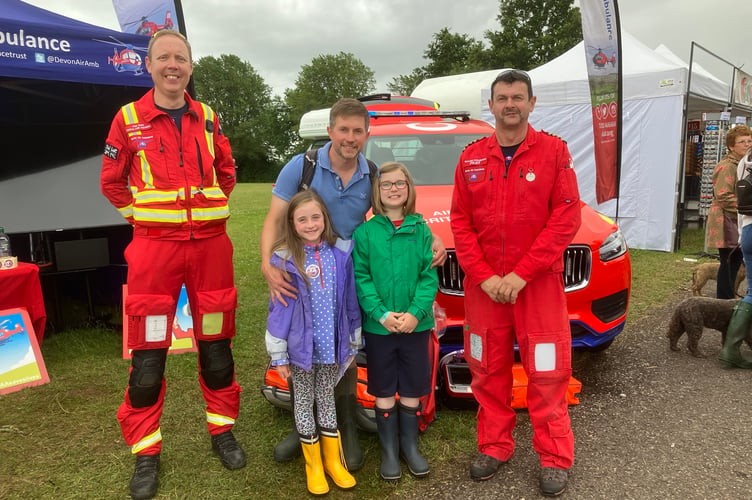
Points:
(512, 75)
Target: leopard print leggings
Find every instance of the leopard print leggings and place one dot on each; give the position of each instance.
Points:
(315, 385)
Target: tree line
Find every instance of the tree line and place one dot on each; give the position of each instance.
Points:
(262, 127)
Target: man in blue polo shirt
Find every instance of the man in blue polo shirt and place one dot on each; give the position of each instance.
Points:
(342, 179)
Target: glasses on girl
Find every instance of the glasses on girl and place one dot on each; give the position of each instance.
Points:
(387, 185)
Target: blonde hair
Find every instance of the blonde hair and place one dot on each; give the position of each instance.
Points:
(386, 167)
(291, 241)
(164, 32)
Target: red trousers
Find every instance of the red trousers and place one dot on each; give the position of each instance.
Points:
(538, 320)
(157, 269)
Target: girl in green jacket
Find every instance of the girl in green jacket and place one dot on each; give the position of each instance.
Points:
(396, 288)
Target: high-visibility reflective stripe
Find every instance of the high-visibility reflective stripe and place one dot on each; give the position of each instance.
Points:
(212, 192)
(153, 195)
(157, 215)
(216, 213)
(209, 116)
(216, 419)
(147, 441)
(146, 175)
(130, 116)
(209, 138)
(126, 211)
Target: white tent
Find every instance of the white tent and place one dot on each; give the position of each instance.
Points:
(703, 84)
(654, 93)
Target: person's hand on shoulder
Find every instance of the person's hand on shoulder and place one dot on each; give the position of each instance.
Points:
(280, 283)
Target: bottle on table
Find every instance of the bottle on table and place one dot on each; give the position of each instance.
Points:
(4, 244)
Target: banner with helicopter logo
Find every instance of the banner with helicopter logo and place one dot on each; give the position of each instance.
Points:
(601, 32)
(38, 44)
(146, 17)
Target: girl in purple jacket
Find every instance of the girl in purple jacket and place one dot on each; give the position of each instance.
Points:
(315, 337)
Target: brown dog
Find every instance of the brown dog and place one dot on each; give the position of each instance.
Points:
(694, 314)
(709, 271)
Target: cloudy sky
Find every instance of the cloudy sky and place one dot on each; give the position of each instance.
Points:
(277, 37)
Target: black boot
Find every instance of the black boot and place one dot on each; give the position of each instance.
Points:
(737, 331)
(408, 435)
(145, 479)
(346, 419)
(289, 448)
(230, 453)
(387, 425)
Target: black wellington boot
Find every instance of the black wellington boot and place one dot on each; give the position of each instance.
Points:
(289, 448)
(737, 331)
(347, 423)
(387, 425)
(408, 436)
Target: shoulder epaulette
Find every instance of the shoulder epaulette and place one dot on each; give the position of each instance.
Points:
(554, 135)
(470, 144)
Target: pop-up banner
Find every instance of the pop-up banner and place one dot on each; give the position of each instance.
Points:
(21, 363)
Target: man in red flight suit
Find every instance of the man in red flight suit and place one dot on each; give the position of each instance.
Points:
(515, 209)
(169, 170)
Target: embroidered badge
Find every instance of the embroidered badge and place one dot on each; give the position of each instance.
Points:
(111, 151)
(137, 127)
(474, 169)
(141, 141)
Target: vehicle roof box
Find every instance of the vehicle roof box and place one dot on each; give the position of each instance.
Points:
(313, 124)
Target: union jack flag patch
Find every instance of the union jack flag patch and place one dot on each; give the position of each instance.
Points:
(111, 151)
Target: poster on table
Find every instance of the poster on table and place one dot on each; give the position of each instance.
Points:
(182, 327)
(21, 363)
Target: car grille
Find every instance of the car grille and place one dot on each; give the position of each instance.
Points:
(577, 261)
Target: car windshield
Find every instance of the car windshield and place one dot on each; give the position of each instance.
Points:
(431, 158)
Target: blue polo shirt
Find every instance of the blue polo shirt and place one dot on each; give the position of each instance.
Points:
(347, 205)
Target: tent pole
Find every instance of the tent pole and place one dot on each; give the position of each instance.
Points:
(683, 154)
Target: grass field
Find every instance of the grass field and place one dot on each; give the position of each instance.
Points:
(61, 440)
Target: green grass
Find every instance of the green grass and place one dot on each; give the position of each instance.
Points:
(61, 440)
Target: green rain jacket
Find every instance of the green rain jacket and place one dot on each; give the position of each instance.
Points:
(393, 271)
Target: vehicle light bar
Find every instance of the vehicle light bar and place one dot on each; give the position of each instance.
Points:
(464, 115)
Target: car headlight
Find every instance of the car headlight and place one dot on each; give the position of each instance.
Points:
(614, 246)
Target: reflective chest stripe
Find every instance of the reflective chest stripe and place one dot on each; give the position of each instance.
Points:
(209, 135)
(167, 206)
(131, 118)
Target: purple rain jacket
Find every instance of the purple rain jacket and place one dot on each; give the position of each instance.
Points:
(289, 330)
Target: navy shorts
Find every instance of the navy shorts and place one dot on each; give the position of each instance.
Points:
(398, 364)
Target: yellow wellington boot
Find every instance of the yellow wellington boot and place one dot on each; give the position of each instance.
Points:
(314, 468)
(334, 459)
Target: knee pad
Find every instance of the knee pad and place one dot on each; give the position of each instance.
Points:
(145, 382)
(217, 365)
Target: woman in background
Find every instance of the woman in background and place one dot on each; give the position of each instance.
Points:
(723, 229)
(741, 320)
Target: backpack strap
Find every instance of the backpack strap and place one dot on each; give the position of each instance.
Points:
(309, 168)
(373, 170)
